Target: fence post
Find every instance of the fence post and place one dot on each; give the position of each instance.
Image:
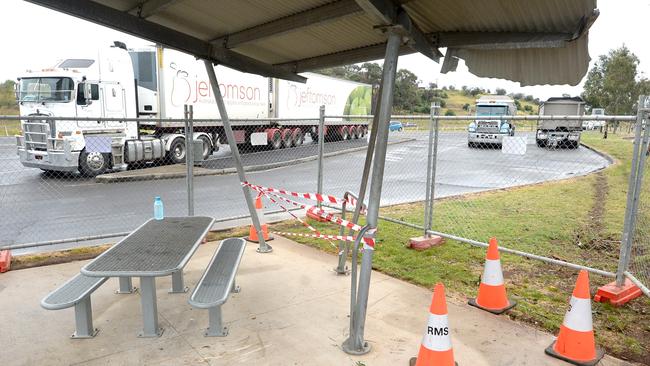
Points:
(634, 191)
(189, 157)
(321, 147)
(431, 169)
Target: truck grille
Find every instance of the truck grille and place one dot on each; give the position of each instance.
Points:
(487, 126)
(36, 133)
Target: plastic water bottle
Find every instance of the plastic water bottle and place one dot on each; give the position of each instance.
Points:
(158, 211)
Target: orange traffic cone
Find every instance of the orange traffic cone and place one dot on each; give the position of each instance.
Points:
(492, 291)
(575, 343)
(252, 233)
(435, 349)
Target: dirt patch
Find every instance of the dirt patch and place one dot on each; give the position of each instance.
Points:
(591, 235)
(63, 256)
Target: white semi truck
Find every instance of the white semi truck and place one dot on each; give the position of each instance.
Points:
(154, 84)
(490, 131)
(560, 132)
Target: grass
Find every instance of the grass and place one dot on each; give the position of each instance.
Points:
(577, 220)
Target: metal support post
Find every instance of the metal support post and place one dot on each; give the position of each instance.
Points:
(126, 286)
(321, 148)
(634, 189)
(264, 247)
(343, 255)
(431, 169)
(178, 285)
(189, 161)
(215, 326)
(83, 319)
(355, 344)
(149, 308)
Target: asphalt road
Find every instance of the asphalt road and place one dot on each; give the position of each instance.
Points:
(38, 207)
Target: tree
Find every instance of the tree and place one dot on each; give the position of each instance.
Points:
(466, 107)
(406, 91)
(612, 82)
(501, 91)
(8, 103)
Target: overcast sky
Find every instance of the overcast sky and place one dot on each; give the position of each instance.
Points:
(34, 37)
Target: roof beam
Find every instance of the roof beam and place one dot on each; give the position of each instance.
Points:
(350, 56)
(316, 16)
(148, 8)
(500, 40)
(389, 13)
(112, 18)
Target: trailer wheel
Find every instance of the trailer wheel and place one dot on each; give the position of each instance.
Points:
(353, 133)
(207, 146)
(276, 140)
(344, 132)
(287, 138)
(298, 137)
(92, 164)
(177, 150)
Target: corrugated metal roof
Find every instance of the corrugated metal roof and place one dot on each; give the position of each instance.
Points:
(210, 20)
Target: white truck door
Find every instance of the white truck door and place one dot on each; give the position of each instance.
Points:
(114, 104)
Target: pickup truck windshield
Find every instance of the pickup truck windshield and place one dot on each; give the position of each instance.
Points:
(495, 110)
(46, 90)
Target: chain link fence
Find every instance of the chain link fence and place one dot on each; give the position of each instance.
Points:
(558, 194)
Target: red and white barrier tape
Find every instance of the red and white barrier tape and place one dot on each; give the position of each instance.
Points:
(290, 213)
(311, 196)
(320, 212)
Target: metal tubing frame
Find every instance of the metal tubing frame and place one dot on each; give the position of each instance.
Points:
(189, 157)
(223, 113)
(431, 169)
(356, 344)
(321, 149)
(633, 193)
(344, 245)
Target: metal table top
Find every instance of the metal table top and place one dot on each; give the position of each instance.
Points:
(157, 248)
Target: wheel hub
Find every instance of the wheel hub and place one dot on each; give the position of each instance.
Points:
(95, 160)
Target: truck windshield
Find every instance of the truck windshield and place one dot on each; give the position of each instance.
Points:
(492, 110)
(52, 89)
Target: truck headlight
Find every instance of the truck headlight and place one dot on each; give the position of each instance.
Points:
(541, 135)
(504, 129)
(471, 127)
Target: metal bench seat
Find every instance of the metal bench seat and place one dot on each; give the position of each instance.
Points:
(217, 282)
(76, 292)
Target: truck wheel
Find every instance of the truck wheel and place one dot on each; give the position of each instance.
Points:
(276, 140)
(176, 153)
(573, 144)
(287, 138)
(541, 143)
(207, 146)
(92, 164)
(361, 132)
(298, 137)
(345, 134)
(471, 144)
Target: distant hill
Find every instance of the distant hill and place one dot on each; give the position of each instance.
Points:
(456, 99)
(8, 105)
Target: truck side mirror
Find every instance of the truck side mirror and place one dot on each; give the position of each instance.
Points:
(87, 93)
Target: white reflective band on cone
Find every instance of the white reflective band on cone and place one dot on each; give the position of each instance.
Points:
(492, 274)
(578, 317)
(437, 336)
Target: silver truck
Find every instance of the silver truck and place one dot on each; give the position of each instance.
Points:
(560, 132)
(490, 131)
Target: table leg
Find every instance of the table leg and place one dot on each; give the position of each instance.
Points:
(149, 308)
(178, 286)
(126, 286)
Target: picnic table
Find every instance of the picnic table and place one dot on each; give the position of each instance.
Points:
(157, 248)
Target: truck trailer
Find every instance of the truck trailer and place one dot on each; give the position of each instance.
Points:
(560, 132)
(485, 132)
(154, 84)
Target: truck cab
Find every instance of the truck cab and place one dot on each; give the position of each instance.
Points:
(483, 132)
(99, 86)
(560, 132)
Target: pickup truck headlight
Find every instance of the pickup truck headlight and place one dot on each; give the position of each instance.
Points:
(471, 127)
(504, 128)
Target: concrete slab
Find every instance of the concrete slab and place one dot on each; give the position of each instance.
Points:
(293, 310)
